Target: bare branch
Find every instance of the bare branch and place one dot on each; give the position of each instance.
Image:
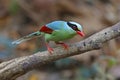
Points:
(14, 68)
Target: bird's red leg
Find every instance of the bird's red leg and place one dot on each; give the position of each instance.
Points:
(50, 50)
(63, 44)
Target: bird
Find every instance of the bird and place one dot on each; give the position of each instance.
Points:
(56, 31)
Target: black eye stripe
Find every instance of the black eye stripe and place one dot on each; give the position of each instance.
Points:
(73, 26)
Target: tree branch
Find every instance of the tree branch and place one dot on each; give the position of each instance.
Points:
(14, 68)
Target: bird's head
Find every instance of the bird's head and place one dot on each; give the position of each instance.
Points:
(76, 27)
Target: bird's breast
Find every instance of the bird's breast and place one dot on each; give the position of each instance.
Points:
(59, 35)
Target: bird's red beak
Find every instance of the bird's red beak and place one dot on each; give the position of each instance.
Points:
(80, 33)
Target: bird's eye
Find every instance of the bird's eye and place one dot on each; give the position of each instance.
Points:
(73, 26)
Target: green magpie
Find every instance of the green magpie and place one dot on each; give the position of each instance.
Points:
(56, 31)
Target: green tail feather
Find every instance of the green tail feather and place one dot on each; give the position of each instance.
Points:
(28, 37)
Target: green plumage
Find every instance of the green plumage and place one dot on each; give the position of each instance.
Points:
(59, 35)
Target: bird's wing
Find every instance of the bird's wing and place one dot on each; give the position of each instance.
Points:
(53, 26)
(46, 29)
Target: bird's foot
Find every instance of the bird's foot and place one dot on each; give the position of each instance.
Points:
(63, 44)
(50, 50)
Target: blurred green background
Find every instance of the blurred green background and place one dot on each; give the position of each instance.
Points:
(21, 17)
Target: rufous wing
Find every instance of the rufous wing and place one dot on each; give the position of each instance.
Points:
(46, 29)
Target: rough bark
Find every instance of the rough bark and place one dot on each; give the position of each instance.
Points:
(14, 68)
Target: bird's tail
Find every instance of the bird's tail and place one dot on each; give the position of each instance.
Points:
(28, 37)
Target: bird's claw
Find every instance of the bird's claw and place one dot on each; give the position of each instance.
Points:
(65, 46)
(50, 50)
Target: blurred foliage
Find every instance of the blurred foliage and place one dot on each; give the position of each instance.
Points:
(33, 77)
(6, 48)
(14, 7)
